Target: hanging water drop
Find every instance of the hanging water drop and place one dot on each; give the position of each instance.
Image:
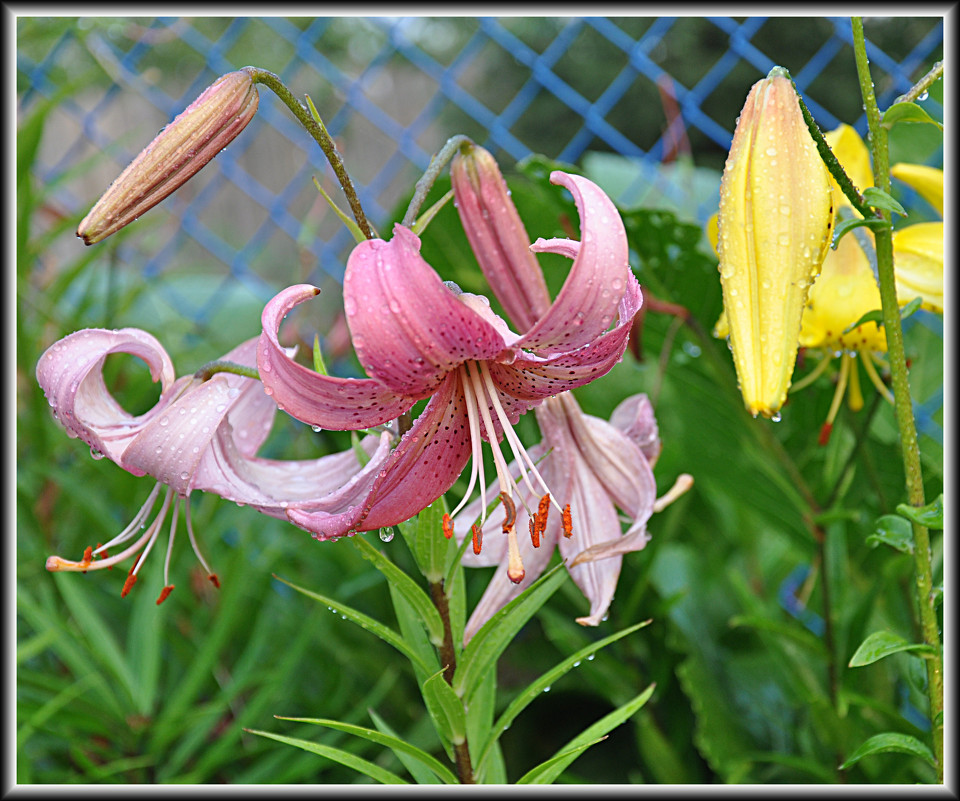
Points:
(386, 534)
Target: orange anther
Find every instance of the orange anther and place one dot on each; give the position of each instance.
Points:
(511, 509)
(447, 526)
(825, 434)
(535, 531)
(567, 522)
(164, 593)
(214, 580)
(128, 584)
(477, 538)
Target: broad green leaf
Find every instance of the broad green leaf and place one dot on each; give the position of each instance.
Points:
(845, 226)
(882, 200)
(890, 741)
(883, 643)
(907, 112)
(445, 707)
(496, 634)
(424, 537)
(385, 633)
(419, 770)
(405, 585)
(351, 761)
(893, 530)
(391, 741)
(537, 687)
(930, 516)
(546, 772)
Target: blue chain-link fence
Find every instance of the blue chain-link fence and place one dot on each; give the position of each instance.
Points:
(391, 91)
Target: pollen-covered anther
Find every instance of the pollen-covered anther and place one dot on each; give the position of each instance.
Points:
(511, 512)
(128, 584)
(87, 557)
(534, 532)
(164, 593)
(447, 526)
(567, 522)
(477, 538)
(214, 580)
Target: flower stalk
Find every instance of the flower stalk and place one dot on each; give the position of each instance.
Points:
(903, 405)
(319, 133)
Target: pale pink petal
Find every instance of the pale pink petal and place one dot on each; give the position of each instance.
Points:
(409, 329)
(326, 401)
(70, 372)
(597, 280)
(634, 417)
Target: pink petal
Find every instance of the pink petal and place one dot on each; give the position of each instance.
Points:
(70, 373)
(421, 468)
(326, 401)
(597, 280)
(408, 328)
(634, 417)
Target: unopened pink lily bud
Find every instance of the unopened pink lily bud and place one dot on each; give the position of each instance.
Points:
(177, 153)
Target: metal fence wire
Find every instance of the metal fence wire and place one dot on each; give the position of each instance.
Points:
(391, 90)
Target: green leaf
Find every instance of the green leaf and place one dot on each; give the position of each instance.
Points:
(883, 643)
(784, 629)
(546, 772)
(845, 226)
(391, 741)
(929, 516)
(890, 741)
(318, 365)
(892, 530)
(879, 199)
(445, 707)
(424, 537)
(907, 112)
(385, 633)
(537, 687)
(420, 772)
(406, 586)
(496, 634)
(352, 761)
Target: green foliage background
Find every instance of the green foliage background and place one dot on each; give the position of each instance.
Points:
(122, 691)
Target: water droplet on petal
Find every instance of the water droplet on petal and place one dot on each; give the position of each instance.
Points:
(386, 534)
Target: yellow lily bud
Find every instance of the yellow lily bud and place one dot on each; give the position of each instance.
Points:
(175, 155)
(775, 224)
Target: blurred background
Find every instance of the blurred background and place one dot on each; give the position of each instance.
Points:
(646, 107)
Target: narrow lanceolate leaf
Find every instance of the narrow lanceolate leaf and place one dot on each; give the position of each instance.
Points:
(883, 643)
(775, 221)
(410, 590)
(538, 686)
(547, 772)
(424, 537)
(498, 632)
(391, 741)
(385, 633)
(891, 741)
(446, 708)
(422, 774)
(352, 761)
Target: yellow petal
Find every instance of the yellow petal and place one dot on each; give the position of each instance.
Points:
(775, 223)
(918, 264)
(927, 181)
(853, 156)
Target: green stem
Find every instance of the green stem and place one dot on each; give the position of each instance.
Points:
(448, 658)
(903, 405)
(222, 366)
(319, 133)
(921, 86)
(437, 163)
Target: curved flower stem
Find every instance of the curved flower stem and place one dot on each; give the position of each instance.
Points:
(319, 133)
(448, 659)
(921, 86)
(903, 404)
(223, 366)
(437, 163)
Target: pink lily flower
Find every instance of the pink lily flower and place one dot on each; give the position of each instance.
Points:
(600, 466)
(200, 435)
(418, 337)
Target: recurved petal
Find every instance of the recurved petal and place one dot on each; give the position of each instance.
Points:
(326, 401)
(597, 280)
(918, 251)
(420, 469)
(634, 417)
(928, 181)
(408, 328)
(533, 378)
(70, 372)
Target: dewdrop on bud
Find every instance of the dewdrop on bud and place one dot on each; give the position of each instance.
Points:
(177, 153)
(775, 224)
